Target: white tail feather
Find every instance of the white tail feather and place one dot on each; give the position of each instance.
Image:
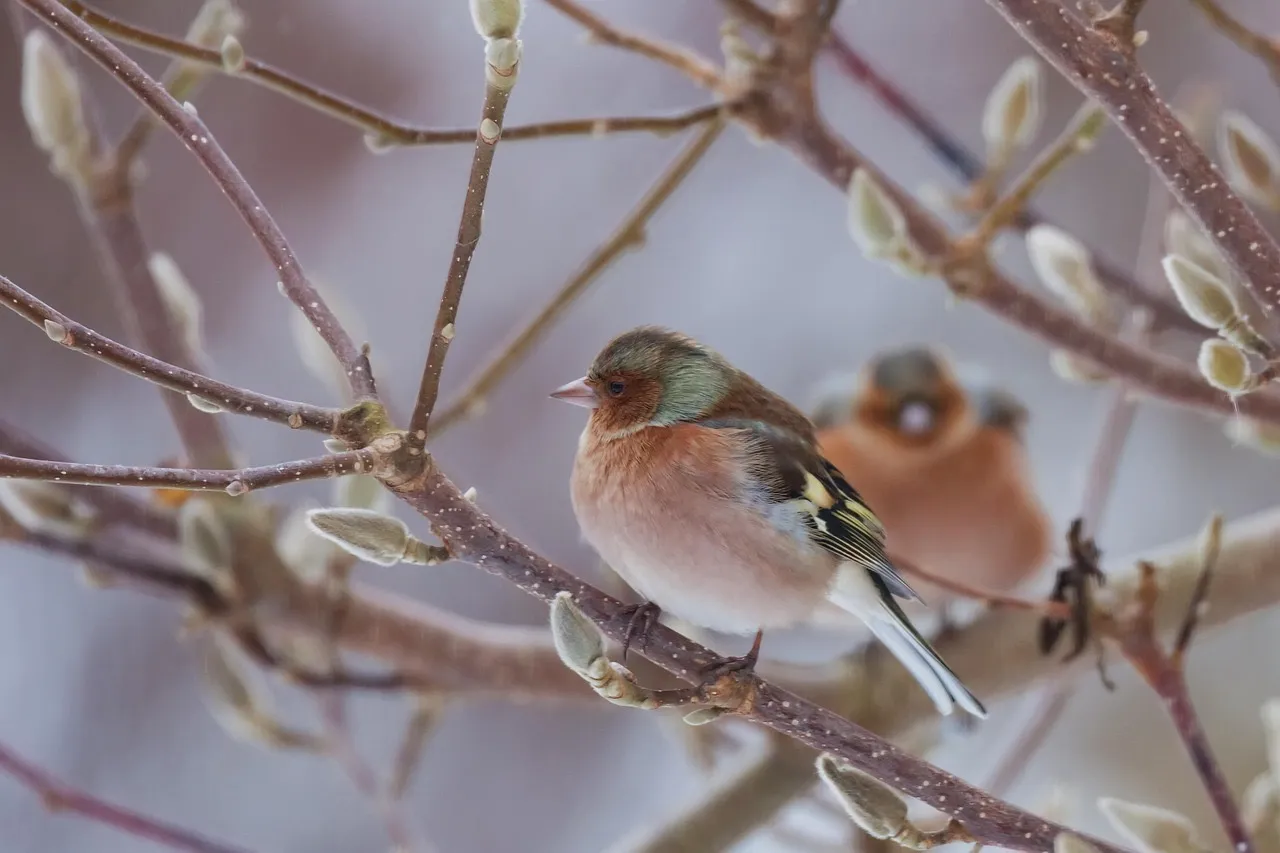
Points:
(855, 592)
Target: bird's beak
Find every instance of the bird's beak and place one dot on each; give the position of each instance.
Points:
(577, 392)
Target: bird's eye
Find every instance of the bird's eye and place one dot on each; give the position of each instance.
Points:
(616, 388)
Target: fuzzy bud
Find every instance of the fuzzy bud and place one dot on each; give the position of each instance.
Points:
(1250, 159)
(204, 404)
(875, 220)
(876, 808)
(1260, 804)
(1183, 237)
(56, 331)
(43, 507)
(314, 352)
(502, 63)
(578, 640)
(180, 299)
(205, 541)
(497, 19)
(1256, 435)
(1014, 109)
(216, 20)
(1150, 828)
(1072, 368)
(371, 536)
(1203, 296)
(361, 491)
(1270, 713)
(1065, 267)
(52, 105)
(1225, 366)
(233, 58)
(1066, 842)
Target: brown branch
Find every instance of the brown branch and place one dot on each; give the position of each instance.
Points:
(1164, 313)
(1092, 62)
(629, 233)
(1133, 628)
(112, 505)
(62, 329)
(497, 92)
(379, 127)
(108, 210)
(1121, 23)
(995, 599)
(233, 481)
(200, 141)
(1266, 49)
(688, 63)
(473, 537)
(60, 797)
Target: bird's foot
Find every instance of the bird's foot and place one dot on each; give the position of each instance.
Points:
(742, 666)
(641, 619)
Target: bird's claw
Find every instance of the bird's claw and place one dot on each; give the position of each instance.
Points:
(641, 619)
(743, 666)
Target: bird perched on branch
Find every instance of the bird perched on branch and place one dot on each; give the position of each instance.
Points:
(707, 493)
(943, 462)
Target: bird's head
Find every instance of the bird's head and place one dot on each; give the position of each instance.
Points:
(649, 376)
(912, 394)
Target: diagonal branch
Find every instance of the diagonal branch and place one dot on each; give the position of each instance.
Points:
(200, 141)
(1105, 71)
(686, 62)
(63, 330)
(380, 128)
(233, 481)
(629, 233)
(1266, 49)
(59, 797)
(501, 72)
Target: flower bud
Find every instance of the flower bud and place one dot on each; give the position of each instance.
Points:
(497, 19)
(876, 808)
(502, 63)
(1250, 159)
(52, 105)
(875, 220)
(1203, 296)
(578, 640)
(369, 535)
(1183, 237)
(1014, 109)
(1065, 267)
(1225, 366)
(1150, 828)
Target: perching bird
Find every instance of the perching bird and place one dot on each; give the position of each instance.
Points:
(943, 463)
(706, 492)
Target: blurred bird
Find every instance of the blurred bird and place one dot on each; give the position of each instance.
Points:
(706, 492)
(943, 462)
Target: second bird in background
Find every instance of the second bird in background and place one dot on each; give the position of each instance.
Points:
(943, 463)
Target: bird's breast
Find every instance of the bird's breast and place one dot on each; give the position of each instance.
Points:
(670, 510)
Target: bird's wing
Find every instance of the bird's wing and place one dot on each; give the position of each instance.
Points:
(791, 471)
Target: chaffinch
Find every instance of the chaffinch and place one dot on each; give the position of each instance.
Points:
(707, 493)
(942, 460)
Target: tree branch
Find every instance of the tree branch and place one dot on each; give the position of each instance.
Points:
(688, 63)
(379, 127)
(499, 80)
(200, 141)
(1101, 70)
(629, 233)
(1266, 49)
(233, 481)
(63, 330)
(59, 797)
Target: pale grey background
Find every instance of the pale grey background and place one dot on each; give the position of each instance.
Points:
(752, 256)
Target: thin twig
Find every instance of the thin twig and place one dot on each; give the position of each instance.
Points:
(994, 599)
(1266, 49)
(63, 330)
(969, 166)
(59, 797)
(343, 749)
(385, 130)
(629, 233)
(1090, 61)
(114, 506)
(497, 92)
(200, 141)
(426, 713)
(686, 62)
(1212, 548)
(1134, 632)
(233, 481)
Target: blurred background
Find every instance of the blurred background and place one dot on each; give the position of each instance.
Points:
(751, 256)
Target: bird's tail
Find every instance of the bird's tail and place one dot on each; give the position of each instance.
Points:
(863, 594)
